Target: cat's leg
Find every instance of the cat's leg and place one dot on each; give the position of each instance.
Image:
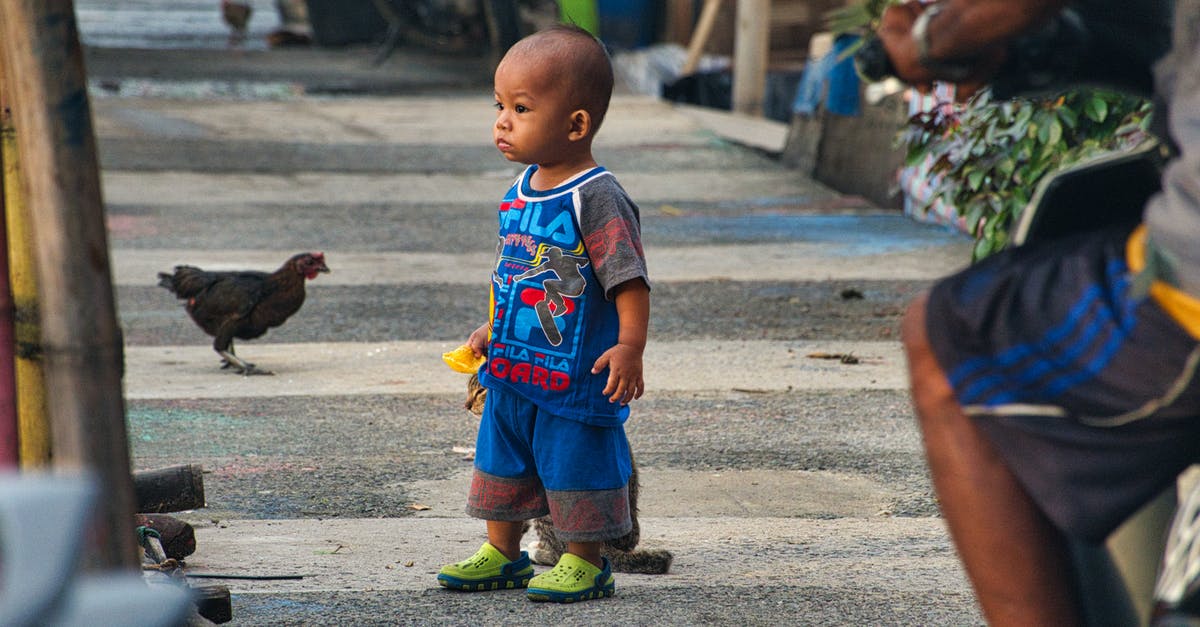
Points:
(547, 547)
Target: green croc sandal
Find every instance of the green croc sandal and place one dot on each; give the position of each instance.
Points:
(487, 569)
(572, 579)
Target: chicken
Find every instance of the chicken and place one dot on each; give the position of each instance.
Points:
(242, 304)
(236, 14)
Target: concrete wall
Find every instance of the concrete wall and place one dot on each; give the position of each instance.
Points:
(852, 154)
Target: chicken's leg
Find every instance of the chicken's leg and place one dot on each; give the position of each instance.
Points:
(224, 347)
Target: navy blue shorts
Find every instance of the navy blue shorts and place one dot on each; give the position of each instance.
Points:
(529, 463)
(1087, 391)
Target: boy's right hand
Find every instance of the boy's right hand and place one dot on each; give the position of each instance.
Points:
(479, 340)
(624, 364)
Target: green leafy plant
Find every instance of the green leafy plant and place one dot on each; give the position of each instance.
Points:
(988, 155)
(858, 18)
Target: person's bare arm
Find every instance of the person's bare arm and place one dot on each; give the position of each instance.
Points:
(624, 360)
(970, 33)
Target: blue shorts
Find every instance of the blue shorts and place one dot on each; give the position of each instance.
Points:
(1086, 390)
(529, 463)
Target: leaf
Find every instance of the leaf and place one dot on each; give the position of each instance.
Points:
(1096, 109)
(1035, 174)
(848, 19)
(914, 157)
(1006, 167)
(974, 216)
(974, 179)
(989, 229)
(982, 248)
(1068, 117)
(1048, 153)
(988, 157)
(1051, 132)
(1023, 115)
(1054, 133)
(1024, 149)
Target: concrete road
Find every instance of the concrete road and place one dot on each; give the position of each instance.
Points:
(789, 485)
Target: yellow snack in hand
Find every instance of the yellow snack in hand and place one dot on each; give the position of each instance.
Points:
(463, 359)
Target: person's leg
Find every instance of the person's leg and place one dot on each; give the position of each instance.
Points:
(589, 551)
(585, 469)
(1017, 561)
(495, 566)
(504, 493)
(506, 535)
(581, 573)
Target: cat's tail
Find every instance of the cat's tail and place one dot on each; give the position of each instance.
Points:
(641, 561)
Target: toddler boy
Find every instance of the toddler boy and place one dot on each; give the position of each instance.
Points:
(569, 310)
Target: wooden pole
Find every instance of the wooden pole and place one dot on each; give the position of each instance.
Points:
(708, 17)
(33, 425)
(81, 344)
(679, 20)
(10, 446)
(751, 43)
(171, 489)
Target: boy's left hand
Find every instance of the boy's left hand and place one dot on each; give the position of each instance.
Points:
(624, 365)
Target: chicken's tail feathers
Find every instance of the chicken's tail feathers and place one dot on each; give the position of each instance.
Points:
(186, 281)
(166, 280)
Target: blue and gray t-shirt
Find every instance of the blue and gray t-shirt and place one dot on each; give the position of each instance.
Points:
(559, 256)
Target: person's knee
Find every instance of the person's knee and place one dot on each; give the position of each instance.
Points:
(914, 338)
(912, 326)
(931, 392)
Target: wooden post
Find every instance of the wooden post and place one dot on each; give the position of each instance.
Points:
(33, 425)
(751, 44)
(171, 489)
(679, 19)
(10, 447)
(81, 344)
(708, 17)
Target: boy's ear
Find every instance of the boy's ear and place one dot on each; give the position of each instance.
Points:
(581, 125)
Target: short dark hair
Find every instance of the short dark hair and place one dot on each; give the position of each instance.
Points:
(582, 61)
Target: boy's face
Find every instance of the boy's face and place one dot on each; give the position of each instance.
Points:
(533, 115)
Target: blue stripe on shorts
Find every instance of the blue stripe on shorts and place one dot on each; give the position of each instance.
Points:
(1067, 354)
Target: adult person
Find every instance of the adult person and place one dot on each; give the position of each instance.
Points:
(1055, 384)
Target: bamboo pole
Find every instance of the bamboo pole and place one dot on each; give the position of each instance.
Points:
(10, 446)
(81, 344)
(33, 426)
(751, 43)
(708, 17)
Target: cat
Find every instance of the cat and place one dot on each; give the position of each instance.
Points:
(621, 552)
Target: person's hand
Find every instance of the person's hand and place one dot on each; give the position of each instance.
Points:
(974, 69)
(624, 365)
(479, 340)
(895, 31)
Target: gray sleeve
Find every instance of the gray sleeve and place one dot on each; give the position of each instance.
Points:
(612, 233)
(1173, 216)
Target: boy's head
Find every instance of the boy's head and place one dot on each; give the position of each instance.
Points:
(559, 79)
